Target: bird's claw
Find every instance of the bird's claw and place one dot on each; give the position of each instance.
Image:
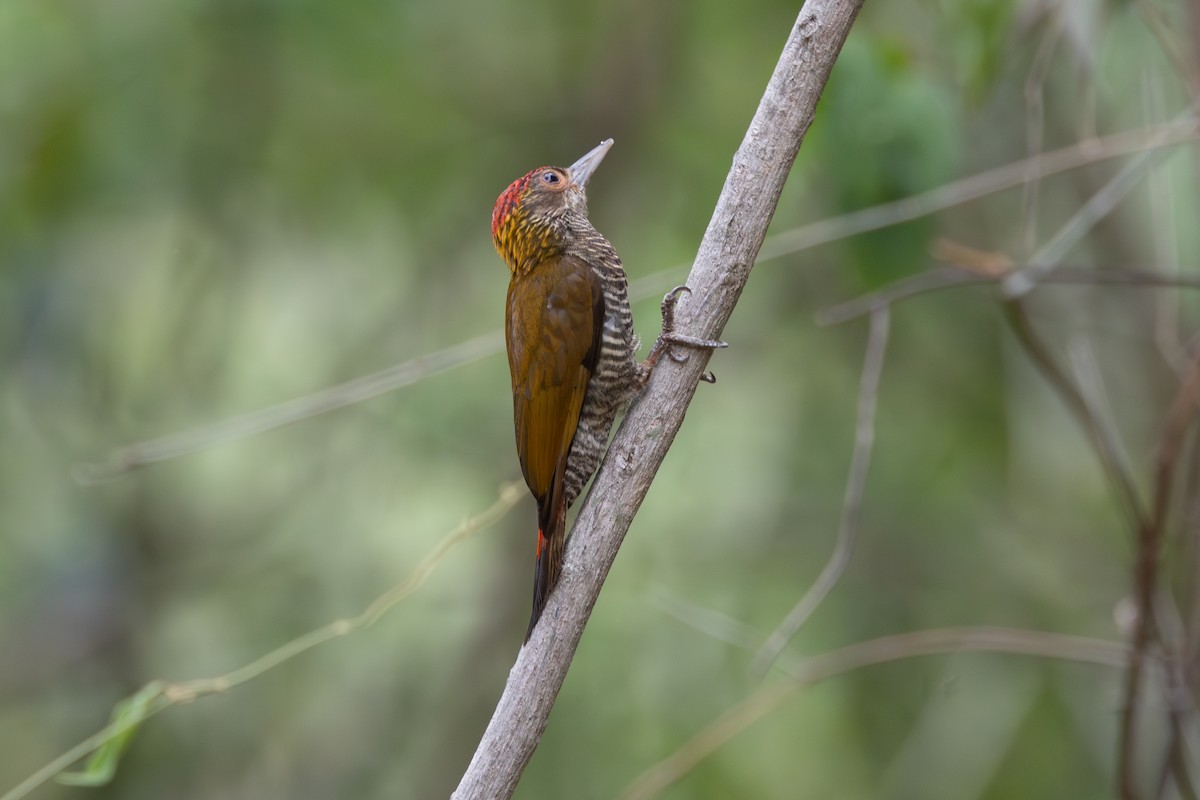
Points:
(667, 306)
(670, 299)
(669, 337)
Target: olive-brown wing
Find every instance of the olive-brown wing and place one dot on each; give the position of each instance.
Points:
(555, 317)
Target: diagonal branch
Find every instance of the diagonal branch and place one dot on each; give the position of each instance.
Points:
(1047, 258)
(895, 647)
(860, 462)
(727, 253)
(1103, 439)
(1150, 537)
(950, 277)
(979, 185)
(266, 419)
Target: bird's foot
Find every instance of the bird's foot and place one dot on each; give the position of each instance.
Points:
(668, 337)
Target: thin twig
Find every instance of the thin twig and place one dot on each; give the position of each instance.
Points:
(806, 672)
(1188, 650)
(1092, 391)
(1160, 27)
(733, 721)
(864, 440)
(266, 419)
(510, 495)
(1008, 176)
(1175, 763)
(1018, 282)
(1101, 438)
(173, 694)
(1035, 124)
(712, 623)
(1150, 536)
(1164, 241)
(1190, 563)
(1099, 205)
(1015, 285)
(950, 277)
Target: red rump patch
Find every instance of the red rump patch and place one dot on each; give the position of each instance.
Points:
(508, 200)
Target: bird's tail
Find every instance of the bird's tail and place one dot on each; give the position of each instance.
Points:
(552, 538)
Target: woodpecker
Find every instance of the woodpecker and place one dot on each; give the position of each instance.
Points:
(571, 346)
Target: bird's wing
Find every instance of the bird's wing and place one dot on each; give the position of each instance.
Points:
(555, 318)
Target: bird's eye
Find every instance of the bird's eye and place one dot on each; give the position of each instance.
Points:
(550, 177)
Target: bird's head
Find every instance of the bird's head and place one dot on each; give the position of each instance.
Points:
(534, 216)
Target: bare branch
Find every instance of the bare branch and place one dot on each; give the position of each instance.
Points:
(980, 185)
(736, 719)
(1150, 536)
(806, 672)
(951, 277)
(1161, 28)
(864, 440)
(285, 413)
(1176, 768)
(1090, 382)
(1015, 284)
(712, 623)
(1050, 255)
(1035, 118)
(1165, 242)
(934, 280)
(727, 253)
(1103, 439)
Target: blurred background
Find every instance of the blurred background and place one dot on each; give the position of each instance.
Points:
(207, 208)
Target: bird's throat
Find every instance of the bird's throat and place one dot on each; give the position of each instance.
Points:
(523, 243)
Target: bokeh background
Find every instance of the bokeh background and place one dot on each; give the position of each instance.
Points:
(211, 207)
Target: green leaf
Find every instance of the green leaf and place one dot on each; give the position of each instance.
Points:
(126, 717)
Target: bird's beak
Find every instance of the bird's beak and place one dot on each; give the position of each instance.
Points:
(581, 171)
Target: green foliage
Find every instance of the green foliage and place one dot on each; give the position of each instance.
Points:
(896, 135)
(126, 717)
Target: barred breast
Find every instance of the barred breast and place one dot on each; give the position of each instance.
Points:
(614, 381)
